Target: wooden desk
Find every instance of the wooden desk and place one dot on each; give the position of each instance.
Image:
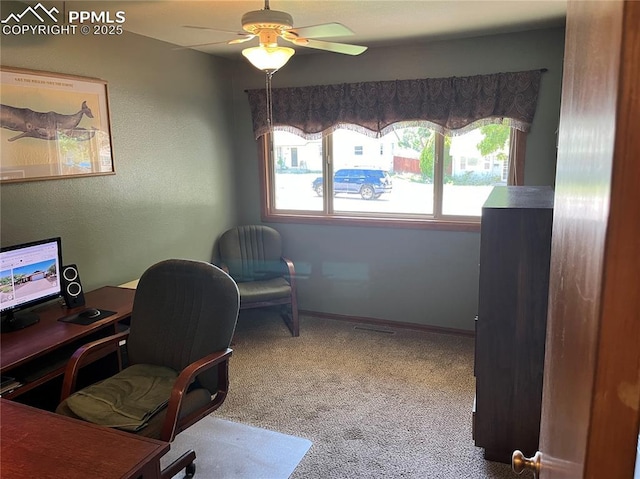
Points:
(44, 445)
(38, 354)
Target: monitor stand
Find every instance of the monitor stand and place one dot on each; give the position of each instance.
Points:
(15, 321)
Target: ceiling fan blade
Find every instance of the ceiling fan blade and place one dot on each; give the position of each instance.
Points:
(228, 42)
(324, 30)
(197, 27)
(344, 48)
(246, 38)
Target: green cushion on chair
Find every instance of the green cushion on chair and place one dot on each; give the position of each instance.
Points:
(128, 399)
(268, 290)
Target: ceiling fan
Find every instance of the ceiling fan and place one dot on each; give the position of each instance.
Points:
(269, 25)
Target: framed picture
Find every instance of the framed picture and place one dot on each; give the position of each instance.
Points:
(53, 126)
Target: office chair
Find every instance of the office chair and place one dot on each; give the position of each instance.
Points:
(184, 316)
(252, 255)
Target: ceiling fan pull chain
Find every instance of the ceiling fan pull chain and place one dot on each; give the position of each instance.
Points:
(269, 102)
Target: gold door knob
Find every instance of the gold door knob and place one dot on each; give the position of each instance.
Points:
(519, 463)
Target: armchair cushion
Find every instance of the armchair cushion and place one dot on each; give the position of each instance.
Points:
(268, 290)
(252, 253)
(126, 400)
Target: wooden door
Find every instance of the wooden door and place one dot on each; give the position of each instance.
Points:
(591, 393)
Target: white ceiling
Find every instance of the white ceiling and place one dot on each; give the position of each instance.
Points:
(374, 22)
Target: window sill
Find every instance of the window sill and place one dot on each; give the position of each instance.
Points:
(346, 220)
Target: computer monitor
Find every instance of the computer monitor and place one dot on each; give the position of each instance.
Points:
(29, 275)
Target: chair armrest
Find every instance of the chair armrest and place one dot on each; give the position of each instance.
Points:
(87, 354)
(291, 271)
(184, 379)
(224, 267)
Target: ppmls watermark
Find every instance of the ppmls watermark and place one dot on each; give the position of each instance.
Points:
(39, 20)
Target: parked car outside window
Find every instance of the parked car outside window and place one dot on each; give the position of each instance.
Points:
(368, 183)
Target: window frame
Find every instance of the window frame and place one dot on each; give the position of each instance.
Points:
(328, 216)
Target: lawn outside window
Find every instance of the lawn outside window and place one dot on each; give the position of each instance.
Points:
(412, 176)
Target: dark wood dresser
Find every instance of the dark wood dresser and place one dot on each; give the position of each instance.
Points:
(515, 248)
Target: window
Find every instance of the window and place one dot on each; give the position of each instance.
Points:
(413, 175)
(418, 175)
(427, 186)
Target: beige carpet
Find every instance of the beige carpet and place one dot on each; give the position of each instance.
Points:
(375, 403)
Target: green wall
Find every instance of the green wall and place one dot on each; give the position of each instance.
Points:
(423, 276)
(172, 194)
(187, 169)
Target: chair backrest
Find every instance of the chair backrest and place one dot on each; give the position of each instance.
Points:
(183, 310)
(252, 252)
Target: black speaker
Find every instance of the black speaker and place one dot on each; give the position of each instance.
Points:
(71, 286)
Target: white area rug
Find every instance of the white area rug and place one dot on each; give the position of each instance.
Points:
(230, 450)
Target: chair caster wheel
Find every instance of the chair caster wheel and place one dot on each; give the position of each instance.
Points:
(190, 470)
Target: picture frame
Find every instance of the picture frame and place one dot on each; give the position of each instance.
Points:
(53, 126)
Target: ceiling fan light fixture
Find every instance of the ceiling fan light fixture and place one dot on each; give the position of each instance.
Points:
(268, 58)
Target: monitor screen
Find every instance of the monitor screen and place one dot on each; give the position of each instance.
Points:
(29, 275)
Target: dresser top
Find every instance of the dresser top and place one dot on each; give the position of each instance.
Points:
(520, 197)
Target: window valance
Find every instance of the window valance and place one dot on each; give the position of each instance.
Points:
(448, 105)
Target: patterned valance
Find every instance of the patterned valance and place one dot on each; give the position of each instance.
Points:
(447, 105)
